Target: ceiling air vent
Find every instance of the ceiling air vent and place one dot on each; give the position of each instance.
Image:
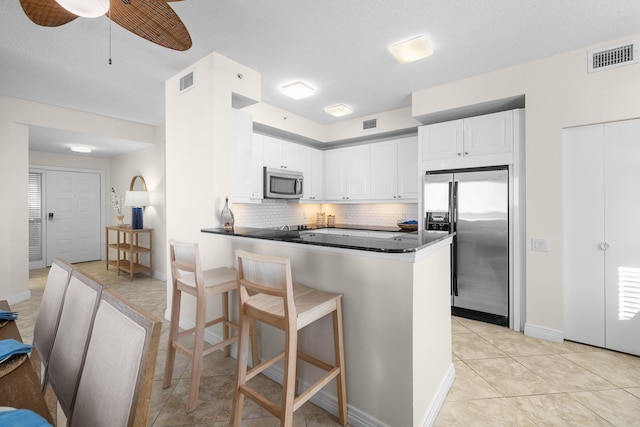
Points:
(186, 82)
(369, 124)
(612, 57)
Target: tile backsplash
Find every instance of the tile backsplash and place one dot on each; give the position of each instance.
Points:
(275, 213)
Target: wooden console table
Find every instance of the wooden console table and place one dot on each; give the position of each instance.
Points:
(129, 249)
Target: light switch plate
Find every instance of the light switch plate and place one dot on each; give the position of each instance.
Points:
(540, 245)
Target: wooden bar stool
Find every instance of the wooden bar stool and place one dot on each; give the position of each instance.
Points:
(268, 295)
(187, 276)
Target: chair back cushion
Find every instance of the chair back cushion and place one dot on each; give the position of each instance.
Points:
(50, 308)
(69, 346)
(118, 366)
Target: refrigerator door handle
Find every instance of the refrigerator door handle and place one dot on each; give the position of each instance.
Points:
(454, 244)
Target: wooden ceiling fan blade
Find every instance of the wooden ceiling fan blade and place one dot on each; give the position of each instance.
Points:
(153, 20)
(47, 13)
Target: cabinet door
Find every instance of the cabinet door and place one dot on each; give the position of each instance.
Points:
(334, 183)
(273, 156)
(242, 154)
(408, 175)
(384, 170)
(311, 166)
(317, 169)
(442, 140)
(291, 155)
(358, 172)
(583, 225)
(622, 258)
(488, 134)
(257, 171)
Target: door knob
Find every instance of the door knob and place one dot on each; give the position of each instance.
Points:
(603, 246)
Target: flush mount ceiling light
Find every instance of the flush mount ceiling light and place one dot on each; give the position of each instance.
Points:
(338, 110)
(80, 149)
(85, 8)
(297, 90)
(411, 50)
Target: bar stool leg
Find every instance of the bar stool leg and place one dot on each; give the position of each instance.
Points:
(225, 321)
(338, 340)
(289, 380)
(198, 349)
(241, 374)
(173, 333)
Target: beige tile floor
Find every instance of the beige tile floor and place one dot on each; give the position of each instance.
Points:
(503, 378)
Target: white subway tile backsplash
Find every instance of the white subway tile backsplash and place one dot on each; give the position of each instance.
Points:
(274, 213)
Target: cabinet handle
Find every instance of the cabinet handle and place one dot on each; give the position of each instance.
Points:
(603, 246)
(459, 154)
(466, 153)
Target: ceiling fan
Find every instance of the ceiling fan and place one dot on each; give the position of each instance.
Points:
(153, 20)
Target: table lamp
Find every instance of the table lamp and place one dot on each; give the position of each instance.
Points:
(137, 200)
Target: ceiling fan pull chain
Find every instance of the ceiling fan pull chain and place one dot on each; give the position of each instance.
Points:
(109, 16)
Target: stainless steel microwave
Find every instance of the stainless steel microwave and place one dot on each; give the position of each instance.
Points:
(282, 184)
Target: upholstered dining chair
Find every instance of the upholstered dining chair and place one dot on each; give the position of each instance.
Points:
(46, 324)
(267, 294)
(74, 328)
(115, 383)
(188, 276)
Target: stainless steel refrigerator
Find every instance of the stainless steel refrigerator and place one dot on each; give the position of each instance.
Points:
(473, 203)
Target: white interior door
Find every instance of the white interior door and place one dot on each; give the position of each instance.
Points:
(73, 216)
(583, 225)
(622, 231)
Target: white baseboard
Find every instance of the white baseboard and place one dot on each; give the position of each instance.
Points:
(430, 417)
(23, 296)
(543, 333)
(160, 276)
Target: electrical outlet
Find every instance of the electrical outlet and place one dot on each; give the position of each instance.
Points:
(304, 215)
(540, 245)
(403, 216)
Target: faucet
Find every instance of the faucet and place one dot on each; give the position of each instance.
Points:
(285, 227)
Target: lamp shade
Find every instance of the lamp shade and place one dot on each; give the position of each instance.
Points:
(136, 198)
(85, 8)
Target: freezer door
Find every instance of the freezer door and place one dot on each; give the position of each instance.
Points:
(482, 241)
(437, 193)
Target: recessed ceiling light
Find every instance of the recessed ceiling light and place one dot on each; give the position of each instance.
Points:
(80, 149)
(411, 50)
(339, 110)
(297, 90)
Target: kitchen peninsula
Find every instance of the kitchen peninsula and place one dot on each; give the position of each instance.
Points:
(396, 311)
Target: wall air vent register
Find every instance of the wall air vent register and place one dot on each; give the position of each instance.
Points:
(369, 124)
(186, 82)
(611, 57)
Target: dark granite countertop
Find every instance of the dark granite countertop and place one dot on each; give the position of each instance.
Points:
(405, 242)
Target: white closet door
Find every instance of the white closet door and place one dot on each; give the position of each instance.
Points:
(583, 220)
(622, 229)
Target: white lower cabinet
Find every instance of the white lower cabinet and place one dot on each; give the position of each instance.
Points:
(601, 177)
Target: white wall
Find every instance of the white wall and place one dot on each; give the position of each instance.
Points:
(148, 163)
(15, 115)
(559, 93)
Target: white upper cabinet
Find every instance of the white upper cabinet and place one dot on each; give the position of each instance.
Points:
(477, 141)
(243, 168)
(394, 169)
(488, 134)
(347, 173)
(281, 154)
(311, 166)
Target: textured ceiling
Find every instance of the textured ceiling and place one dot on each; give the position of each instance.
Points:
(337, 46)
